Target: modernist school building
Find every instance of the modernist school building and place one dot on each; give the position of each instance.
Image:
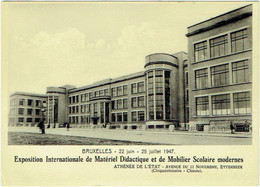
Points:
(204, 90)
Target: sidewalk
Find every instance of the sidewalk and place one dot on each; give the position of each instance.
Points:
(150, 136)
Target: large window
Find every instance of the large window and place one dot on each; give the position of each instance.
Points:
(240, 71)
(220, 75)
(242, 103)
(20, 119)
(119, 91)
(159, 106)
(29, 111)
(124, 116)
(239, 41)
(21, 102)
(201, 78)
(134, 116)
(113, 117)
(218, 46)
(134, 88)
(106, 91)
(221, 104)
(37, 112)
(140, 87)
(113, 92)
(124, 103)
(125, 90)
(37, 102)
(119, 104)
(202, 106)
(21, 111)
(134, 102)
(29, 120)
(95, 109)
(30, 102)
(141, 101)
(119, 117)
(140, 115)
(200, 51)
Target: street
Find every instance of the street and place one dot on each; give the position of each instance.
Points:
(152, 137)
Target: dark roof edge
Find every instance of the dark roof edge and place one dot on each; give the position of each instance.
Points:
(219, 15)
(221, 23)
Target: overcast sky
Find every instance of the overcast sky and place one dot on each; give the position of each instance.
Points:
(53, 44)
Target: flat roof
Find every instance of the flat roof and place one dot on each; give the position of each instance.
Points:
(28, 94)
(219, 15)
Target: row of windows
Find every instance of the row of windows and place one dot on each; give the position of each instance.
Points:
(119, 104)
(123, 116)
(119, 91)
(31, 102)
(137, 87)
(20, 119)
(220, 75)
(21, 111)
(219, 46)
(221, 104)
(137, 102)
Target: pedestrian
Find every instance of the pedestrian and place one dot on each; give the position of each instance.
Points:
(42, 126)
(68, 126)
(232, 128)
(247, 126)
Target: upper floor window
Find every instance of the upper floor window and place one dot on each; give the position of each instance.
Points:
(113, 92)
(201, 78)
(106, 92)
(101, 92)
(140, 87)
(37, 112)
(240, 71)
(186, 78)
(134, 102)
(220, 75)
(77, 99)
(119, 91)
(200, 51)
(37, 102)
(119, 104)
(239, 41)
(82, 98)
(30, 102)
(124, 103)
(21, 111)
(125, 90)
(141, 101)
(218, 46)
(140, 115)
(86, 97)
(29, 111)
(134, 88)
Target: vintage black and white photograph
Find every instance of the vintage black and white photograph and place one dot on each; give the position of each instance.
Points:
(119, 76)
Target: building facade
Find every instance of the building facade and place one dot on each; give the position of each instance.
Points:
(220, 70)
(207, 89)
(26, 109)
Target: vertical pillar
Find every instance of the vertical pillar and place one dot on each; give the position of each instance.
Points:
(231, 103)
(210, 105)
(48, 110)
(230, 73)
(208, 50)
(147, 98)
(229, 43)
(53, 103)
(209, 78)
(164, 112)
(154, 96)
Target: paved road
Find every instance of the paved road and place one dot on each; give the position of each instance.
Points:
(162, 137)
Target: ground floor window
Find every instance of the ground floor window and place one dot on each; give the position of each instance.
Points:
(242, 103)
(119, 117)
(29, 120)
(202, 106)
(20, 119)
(113, 117)
(221, 104)
(141, 116)
(125, 116)
(134, 116)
